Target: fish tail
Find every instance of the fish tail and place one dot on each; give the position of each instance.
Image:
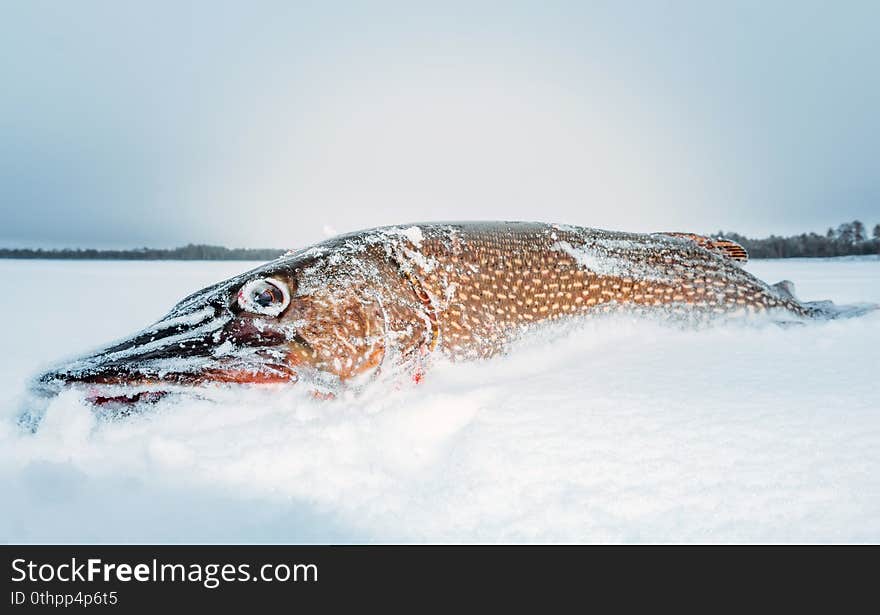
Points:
(823, 310)
(829, 310)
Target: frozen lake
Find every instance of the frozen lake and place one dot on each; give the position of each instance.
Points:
(618, 431)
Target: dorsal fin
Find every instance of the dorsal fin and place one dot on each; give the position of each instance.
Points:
(724, 247)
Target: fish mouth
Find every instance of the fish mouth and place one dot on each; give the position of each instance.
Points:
(178, 355)
(106, 400)
(149, 385)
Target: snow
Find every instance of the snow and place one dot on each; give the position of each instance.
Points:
(612, 258)
(614, 430)
(414, 234)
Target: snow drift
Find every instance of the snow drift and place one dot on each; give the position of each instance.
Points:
(613, 430)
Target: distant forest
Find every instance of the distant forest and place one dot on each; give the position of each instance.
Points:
(191, 252)
(850, 238)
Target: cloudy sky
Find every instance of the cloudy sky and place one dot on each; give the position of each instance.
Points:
(273, 123)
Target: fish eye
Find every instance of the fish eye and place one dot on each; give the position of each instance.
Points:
(267, 296)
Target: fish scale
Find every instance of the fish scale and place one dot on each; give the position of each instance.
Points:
(505, 277)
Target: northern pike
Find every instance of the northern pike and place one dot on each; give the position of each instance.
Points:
(343, 310)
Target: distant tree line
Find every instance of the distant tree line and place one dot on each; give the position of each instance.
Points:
(191, 252)
(850, 238)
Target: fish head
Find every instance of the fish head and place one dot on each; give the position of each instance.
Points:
(272, 325)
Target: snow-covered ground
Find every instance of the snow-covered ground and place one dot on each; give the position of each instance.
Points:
(615, 431)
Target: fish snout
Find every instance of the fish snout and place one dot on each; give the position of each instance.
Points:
(211, 344)
(175, 349)
(238, 331)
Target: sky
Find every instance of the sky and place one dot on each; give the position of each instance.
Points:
(275, 124)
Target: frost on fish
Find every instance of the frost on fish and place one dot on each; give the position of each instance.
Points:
(616, 258)
(385, 300)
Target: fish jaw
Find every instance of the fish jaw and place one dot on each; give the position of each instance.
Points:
(205, 340)
(105, 378)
